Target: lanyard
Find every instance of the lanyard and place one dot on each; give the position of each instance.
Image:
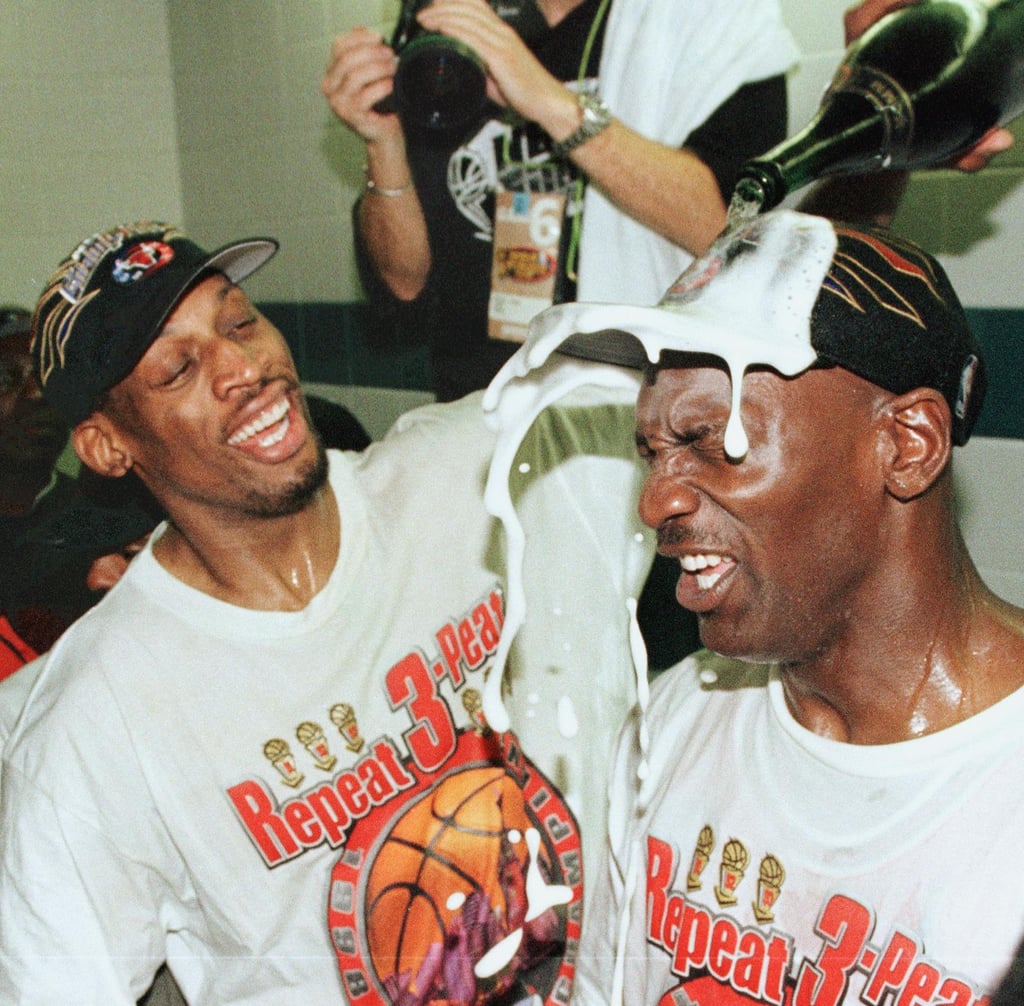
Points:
(572, 253)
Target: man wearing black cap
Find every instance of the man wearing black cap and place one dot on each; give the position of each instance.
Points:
(817, 808)
(262, 756)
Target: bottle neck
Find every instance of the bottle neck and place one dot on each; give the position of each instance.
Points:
(846, 135)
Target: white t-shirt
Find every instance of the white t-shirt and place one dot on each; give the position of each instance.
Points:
(760, 860)
(301, 807)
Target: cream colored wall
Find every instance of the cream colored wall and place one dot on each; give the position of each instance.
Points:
(261, 153)
(87, 129)
(260, 150)
(208, 112)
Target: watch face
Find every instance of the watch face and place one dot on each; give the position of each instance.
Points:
(595, 112)
(595, 117)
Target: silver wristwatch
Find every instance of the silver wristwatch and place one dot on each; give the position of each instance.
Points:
(596, 118)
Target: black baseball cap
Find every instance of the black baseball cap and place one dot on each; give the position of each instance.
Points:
(791, 291)
(108, 300)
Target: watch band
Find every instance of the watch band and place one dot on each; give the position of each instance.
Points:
(596, 119)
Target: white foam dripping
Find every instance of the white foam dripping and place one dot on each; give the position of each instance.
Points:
(500, 955)
(748, 301)
(736, 443)
(515, 398)
(568, 724)
(638, 651)
(540, 896)
(622, 937)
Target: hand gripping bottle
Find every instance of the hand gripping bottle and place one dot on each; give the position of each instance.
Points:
(920, 86)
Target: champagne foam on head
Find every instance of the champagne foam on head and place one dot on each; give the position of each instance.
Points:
(747, 301)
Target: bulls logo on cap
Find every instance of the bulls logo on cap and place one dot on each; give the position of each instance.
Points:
(141, 259)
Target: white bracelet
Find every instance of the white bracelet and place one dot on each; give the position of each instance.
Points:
(377, 190)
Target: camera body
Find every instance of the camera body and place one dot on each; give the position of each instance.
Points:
(440, 82)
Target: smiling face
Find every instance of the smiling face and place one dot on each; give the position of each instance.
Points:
(777, 550)
(212, 415)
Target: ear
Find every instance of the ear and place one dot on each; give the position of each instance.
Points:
(98, 445)
(921, 430)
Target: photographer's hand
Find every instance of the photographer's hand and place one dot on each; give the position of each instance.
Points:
(515, 77)
(667, 189)
(359, 74)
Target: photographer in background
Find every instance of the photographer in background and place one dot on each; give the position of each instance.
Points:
(648, 105)
(613, 132)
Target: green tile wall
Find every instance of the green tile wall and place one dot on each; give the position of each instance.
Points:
(1001, 334)
(328, 345)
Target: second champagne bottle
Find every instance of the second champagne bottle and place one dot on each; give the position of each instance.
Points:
(922, 85)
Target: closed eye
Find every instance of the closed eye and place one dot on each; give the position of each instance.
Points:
(705, 439)
(174, 373)
(241, 328)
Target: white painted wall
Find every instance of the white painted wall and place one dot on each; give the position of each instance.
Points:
(208, 112)
(88, 129)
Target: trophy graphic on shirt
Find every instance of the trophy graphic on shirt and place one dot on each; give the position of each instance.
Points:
(473, 703)
(769, 885)
(280, 756)
(735, 860)
(311, 737)
(701, 855)
(343, 716)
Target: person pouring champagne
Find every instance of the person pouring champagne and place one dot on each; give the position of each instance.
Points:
(928, 83)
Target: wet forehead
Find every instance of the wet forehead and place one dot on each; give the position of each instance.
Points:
(685, 403)
(673, 392)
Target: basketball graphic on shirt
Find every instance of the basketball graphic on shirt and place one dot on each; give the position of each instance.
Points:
(429, 899)
(440, 859)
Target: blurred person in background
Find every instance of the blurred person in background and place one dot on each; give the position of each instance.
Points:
(52, 524)
(618, 126)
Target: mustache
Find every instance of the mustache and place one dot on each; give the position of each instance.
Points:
(290, 382)
(672, 535)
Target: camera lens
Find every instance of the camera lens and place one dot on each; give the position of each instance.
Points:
(440, 83)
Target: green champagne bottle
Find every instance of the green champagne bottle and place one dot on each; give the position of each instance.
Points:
(921, 85)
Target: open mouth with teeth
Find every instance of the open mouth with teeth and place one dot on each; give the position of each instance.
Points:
(272, 421)
(708, 567)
